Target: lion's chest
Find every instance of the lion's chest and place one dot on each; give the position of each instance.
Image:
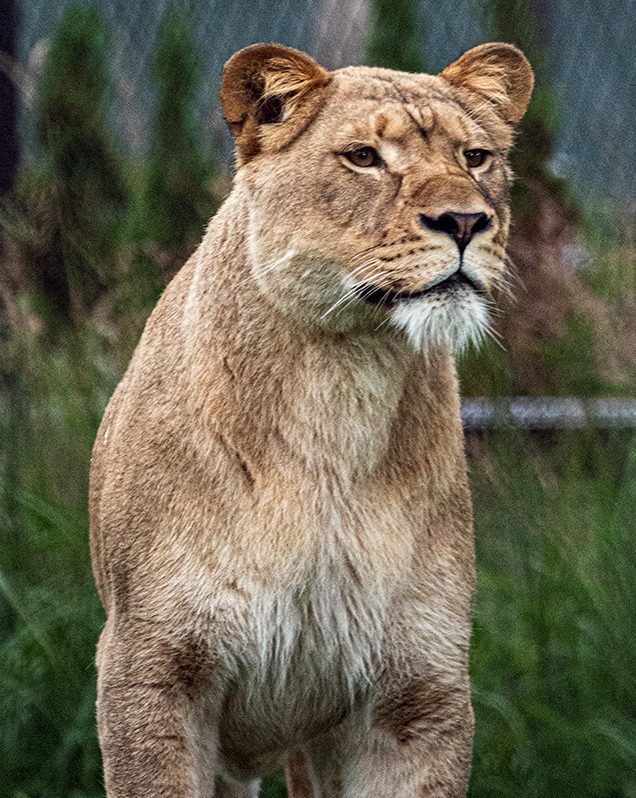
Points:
(305, 657)
(339, 412)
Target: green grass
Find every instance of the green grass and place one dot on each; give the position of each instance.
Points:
(554, 653)
(50, 620)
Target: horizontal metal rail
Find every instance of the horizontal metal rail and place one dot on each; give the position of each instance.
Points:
(548, 412)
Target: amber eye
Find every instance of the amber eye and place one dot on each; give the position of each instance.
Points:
(363, 157)
(475, 158)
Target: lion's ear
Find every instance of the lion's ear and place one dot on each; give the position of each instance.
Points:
(498, 73)
(269, 94)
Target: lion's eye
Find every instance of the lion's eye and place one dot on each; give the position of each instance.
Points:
(475, 158)
(363, 157)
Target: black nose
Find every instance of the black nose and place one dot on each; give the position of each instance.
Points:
(460, 226)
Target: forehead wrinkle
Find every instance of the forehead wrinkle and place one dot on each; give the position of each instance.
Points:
(402, 145)
(391, 91)
(470, 128)
(483, 120)
(464, 127)
(391, 122)
(424, 117)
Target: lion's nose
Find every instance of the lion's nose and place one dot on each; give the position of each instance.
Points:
(459, 226)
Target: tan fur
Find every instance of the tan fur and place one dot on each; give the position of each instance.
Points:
(280, 515)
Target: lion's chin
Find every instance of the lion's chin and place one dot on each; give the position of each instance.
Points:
(451, 320)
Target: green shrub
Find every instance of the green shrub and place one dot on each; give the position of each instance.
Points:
(75, 194)
(50, 614)
(178, 199)
(395, 41)
(518, 23)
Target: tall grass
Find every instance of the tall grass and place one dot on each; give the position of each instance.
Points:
(50, 620)
(49, 612)
(554, 652)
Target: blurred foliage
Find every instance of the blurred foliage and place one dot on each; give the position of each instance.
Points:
(177, 194)
(554, 650)
(570, 330)
(75, 193)
(395, 41)
(49, 611)
(537, 131)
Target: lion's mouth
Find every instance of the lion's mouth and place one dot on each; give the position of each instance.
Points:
(386, 297)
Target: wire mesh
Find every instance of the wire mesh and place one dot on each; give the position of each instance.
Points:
(589, 44)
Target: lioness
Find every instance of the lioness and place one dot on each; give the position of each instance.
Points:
(280, 515)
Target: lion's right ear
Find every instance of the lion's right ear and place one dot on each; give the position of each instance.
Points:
(497, 73)
(269, 94)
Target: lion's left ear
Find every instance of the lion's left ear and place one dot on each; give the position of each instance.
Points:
(499, 73)
(269, 94)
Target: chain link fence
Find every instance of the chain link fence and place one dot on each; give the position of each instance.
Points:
(589, 58)
(541, 413)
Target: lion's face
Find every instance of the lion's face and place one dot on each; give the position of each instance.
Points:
(379, 199)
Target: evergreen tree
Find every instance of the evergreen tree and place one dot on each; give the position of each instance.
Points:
(9, 151)
(178, 199)
(545, 317)
(395, 41)
(77, 196)
(518, 24)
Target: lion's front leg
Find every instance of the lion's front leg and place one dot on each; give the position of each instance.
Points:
(419, 744)
(413, 742)
(155, 732)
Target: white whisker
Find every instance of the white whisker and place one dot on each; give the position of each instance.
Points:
(258, 271)
(354, 293)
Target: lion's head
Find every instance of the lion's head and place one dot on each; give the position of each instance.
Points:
(378, 199)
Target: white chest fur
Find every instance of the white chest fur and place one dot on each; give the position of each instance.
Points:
(304, 656)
